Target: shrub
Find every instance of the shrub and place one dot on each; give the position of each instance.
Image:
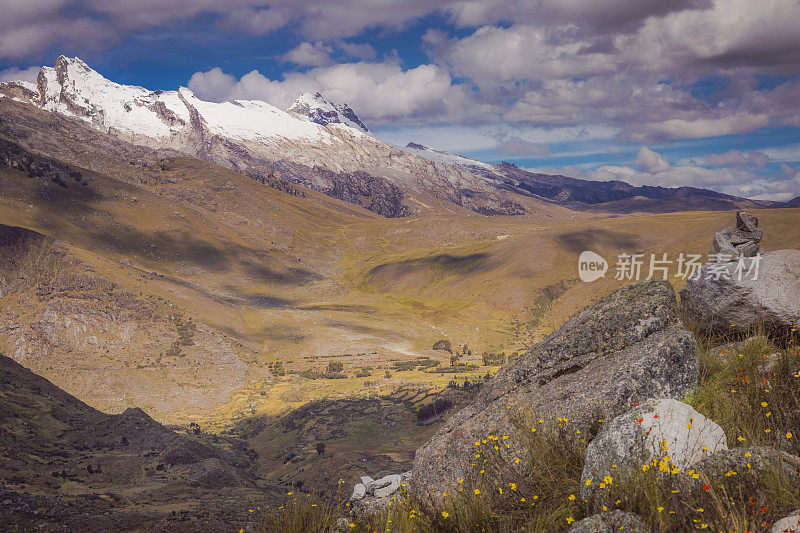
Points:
(443, 344)
(335, 367)
(429, 410)
(494, 359)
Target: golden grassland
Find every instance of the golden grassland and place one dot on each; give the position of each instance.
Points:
(276, 277)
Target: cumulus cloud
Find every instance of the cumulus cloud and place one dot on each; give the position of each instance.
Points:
(649, 161)
(358, 50)
(29, 74)
(307, 54)
(380, 93)
(256, 21)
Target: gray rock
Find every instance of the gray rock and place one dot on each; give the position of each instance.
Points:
(629, 346)
(392, 486)
(773, 299)
(657, 429)
(366, 480)
(746, 222)
(790, 524)
(749, 249)
(748, 467)
(736, 236)
(610, 522)
(359, 491)
(722, 246)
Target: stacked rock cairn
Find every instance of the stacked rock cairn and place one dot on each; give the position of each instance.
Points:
(741, 241)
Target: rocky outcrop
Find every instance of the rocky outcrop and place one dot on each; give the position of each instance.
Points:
(741, 241)
(628, 347)
(374, 495)
(609, 522)
(667, 432)
(718, 298)
(15, 157)
(323, 112)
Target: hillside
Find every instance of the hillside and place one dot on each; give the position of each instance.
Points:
(64, 464)
(208, 269)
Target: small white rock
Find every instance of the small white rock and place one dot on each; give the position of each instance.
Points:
(359, 491)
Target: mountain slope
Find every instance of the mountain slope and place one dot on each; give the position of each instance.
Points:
(176, 285)
(66, 465)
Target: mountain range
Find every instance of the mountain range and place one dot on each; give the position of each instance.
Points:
(325, 146)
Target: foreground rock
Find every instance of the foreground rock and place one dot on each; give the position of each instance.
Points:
(374, 495)
(628, 347)
(668, 432)
(790, 524)
(609, 522)
(718, 303)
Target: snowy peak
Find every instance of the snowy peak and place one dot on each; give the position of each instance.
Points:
(162, 118)
(317, 109)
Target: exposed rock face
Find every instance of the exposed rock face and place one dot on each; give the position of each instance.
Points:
(657, 429)
(741, 241)
(628, 347)
(374, 495)
(609, 522)
(37, 167)
(324, 112)
(773, 298)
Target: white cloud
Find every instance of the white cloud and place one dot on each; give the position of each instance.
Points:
(307, 54)
(380, 93)
(654, 170)
(358, 50)
(790, 153)
(256, 21)
(738, 158)
(516, 146)
(29, 74)
(649, 161)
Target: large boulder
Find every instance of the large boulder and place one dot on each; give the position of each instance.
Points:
(666, 432)
(628, 347)
(717, 300)
(610, 522)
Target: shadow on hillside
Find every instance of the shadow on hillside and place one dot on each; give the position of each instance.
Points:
(594, 238)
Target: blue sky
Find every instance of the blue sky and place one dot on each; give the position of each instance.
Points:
(681, 92)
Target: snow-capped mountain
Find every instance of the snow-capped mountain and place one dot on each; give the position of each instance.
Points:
(321, 111)
(72, 88)
(316, 143)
